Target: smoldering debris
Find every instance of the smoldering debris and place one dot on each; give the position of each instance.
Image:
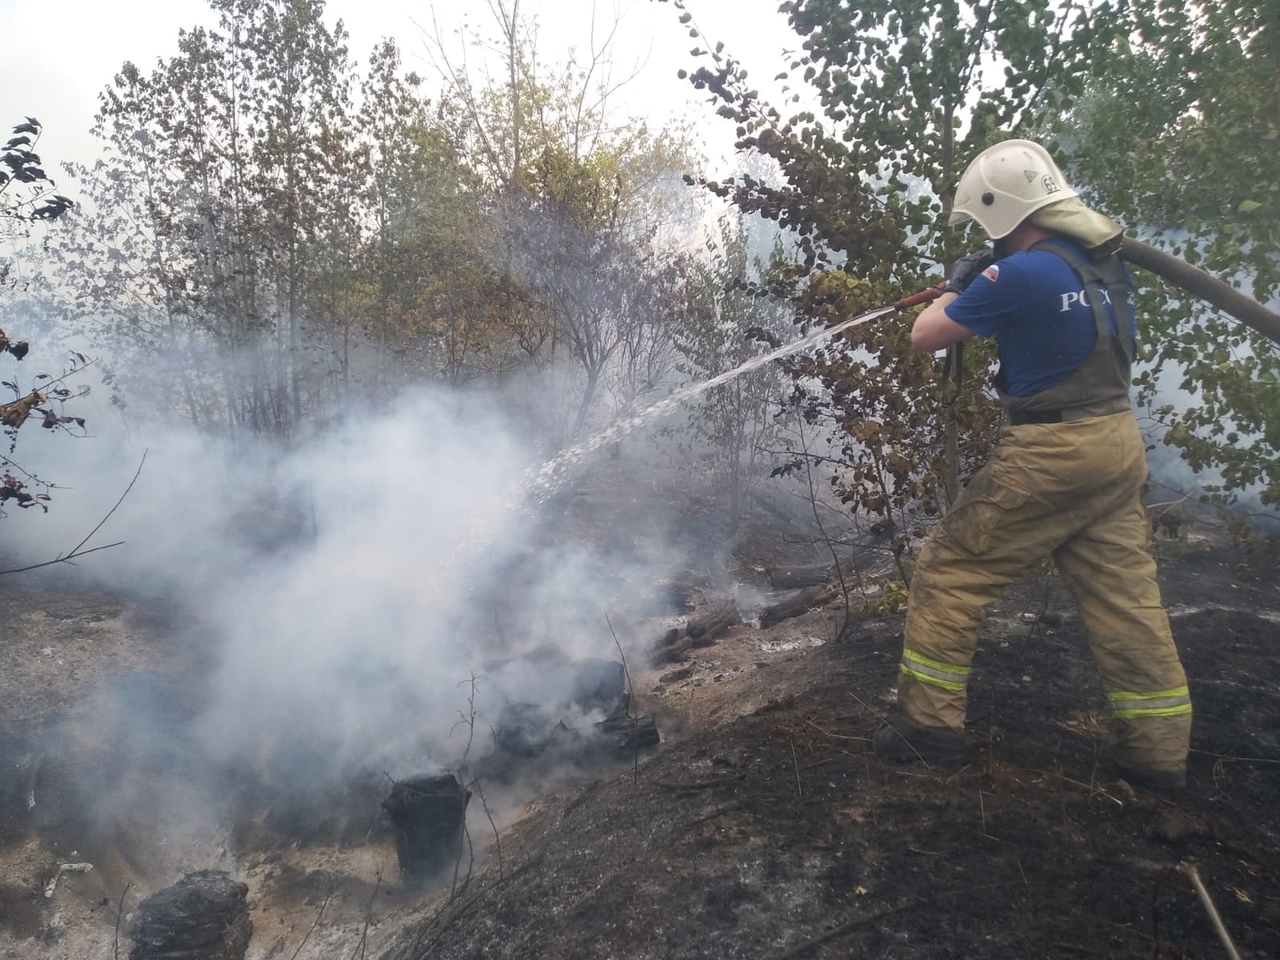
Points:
(204, 916)
(51, 887)
(584, 717)
(801, 601)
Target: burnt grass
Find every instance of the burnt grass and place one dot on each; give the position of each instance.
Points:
(779, 834)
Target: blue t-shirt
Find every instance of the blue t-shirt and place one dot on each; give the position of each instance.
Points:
(1035, 306)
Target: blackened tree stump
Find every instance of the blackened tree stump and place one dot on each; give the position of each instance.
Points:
(204, 916)
(427, 812)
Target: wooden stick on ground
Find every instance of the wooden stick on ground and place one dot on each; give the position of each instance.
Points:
(1189, 870)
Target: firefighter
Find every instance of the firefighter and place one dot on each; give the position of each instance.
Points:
(1065, 480)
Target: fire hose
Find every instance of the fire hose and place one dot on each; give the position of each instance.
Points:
(1203, 285)
(1199, 282)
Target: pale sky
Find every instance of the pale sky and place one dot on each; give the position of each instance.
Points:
(59, 54)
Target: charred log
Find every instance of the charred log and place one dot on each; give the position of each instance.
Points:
(629, 734)
(427, 813)
(549, 741)
(802, 575)
(702, 630)
(559, 729)
(626, 734)
(708, 624)
(677, 650)
(798, 603)
(523, 730)
(204, 916)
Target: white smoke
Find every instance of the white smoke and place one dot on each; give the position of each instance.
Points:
(345, 588)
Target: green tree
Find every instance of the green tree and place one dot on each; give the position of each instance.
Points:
(222, 200)
(1178, 137)
(577, 202)
(427, 266)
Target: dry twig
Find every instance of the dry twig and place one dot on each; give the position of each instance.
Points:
(1189, 871)
(497, 839)
(115, 946)
(314, 924)
(77, 550)
(368, 920)
(635, 739)
(469, 721)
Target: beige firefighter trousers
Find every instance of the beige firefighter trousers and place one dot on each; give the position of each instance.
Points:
(1070, 491)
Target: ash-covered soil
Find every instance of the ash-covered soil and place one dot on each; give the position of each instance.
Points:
(763, 826)
(754, 835)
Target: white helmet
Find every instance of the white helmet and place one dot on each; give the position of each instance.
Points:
(1007, 183)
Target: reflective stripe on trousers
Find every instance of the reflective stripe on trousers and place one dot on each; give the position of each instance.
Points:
(1162, 703)
(935, 672)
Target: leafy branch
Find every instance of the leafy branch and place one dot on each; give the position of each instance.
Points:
(23, 167)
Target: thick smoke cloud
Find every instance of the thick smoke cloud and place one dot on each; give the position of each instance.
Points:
(349, 640)
(344, 591)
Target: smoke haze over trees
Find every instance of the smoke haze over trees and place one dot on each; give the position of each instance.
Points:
(271, 238)
(280, 238)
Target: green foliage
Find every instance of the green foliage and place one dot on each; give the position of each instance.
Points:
(578, 207)
(1178, 136)
(428, 295)
(221, 209)
(890, 596)
(272, 246)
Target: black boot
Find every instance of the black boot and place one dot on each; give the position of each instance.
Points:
(1122, 760)
(1166, 783)
(905, 742)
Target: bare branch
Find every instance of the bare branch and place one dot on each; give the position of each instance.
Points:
(78, 550)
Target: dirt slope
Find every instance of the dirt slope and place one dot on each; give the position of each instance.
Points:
(761, 823)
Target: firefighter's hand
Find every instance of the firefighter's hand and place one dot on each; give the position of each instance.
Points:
(966, 269)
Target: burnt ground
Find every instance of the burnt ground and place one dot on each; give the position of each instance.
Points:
(756, 834)
(763, 826)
